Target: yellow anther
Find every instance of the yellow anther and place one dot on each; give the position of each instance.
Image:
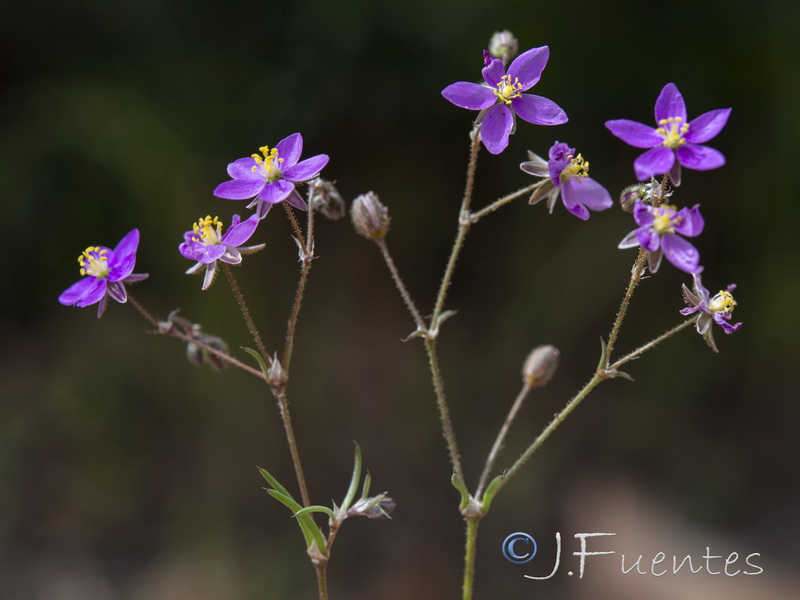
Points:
(577, 168)
(722, 302)
(208, 230)
(506, 90)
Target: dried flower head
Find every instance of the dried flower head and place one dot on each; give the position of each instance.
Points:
(370, 216)
(325, 198)
(503, 45)
(540, 366)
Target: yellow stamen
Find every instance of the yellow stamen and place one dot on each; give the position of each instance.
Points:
(672, 130)
(94, 262)
(208, 231)
(722, 302)
(506, 90)
(271, 162)
(577, 168)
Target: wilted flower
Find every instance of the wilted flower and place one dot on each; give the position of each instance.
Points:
(376, 507)
(502, 97)
(271, 178)
(658, 233)
(325, 198)
(568, 176)
(206, 244)
(652, 193)
(674, 141)
(718, 308)
(104, 273)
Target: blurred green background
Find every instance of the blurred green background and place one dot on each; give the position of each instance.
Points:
(126, 473)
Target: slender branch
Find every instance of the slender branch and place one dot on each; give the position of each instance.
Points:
(469, 557)
(248, 318)
(498, 443)
(307, 256)
(174, 333)
(477, 216)
(295, 225)
(401, 287)
(444, 411)
(636, 276)
(557, 420)
(286, 417)
(322, 581)
(651, 344)
(463, 228)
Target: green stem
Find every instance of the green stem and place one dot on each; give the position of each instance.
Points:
(306, 258)
(469, 556)
(400, 285)
(477, 216)
(651, 344)
(248, 318)
(498, 443)
(322, 581)
(444, 411)
(286, 417)
(636, 276)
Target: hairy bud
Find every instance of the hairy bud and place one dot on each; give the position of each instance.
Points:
(276, 377)
(370, 217)
(503, 45)
(540, 366)
(325, 198)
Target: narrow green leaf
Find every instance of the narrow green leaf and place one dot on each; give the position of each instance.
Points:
(367, 484)
(261, 362)
(275, 483)
(294, 507)
(317, 508)
(490, 492)
(462, 489)
(351, 490)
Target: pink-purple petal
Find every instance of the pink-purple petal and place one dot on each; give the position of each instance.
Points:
(670, 104)
(496, 128)
(208, 279)
(590, 193)
(239, 189)
(242, 168)
(680, 253)
(289, 149)
(528, 66)
(538, 110)
(707, 125)
(471, 96)
(276, 191)
(572, 202)
(116, 290)
(240, 232)
(699, 158)
(648, 239)
(655, 161)
(635, 134)
(493, 72)
(629, 241)
(691, 222)
(77, 291)
(296, 200)
(307, 169)
(94, 293)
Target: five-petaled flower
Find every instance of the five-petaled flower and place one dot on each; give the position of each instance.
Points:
(271, 178)
(104, 272)
(718, 308)
(658, 233)
(568, 175)
(674, 142)
(502, 97)
(206, 244)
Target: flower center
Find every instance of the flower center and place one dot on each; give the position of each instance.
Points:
(507, 91)
(672, 130)
(208, 231)
(665, 219)
(94, 262)
(577, 167)
(722, 302)
(270, 163)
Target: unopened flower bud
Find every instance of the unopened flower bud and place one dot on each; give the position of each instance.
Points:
(370, 217)
(325, 198)
(631, 194)
(199, 355)
(503, 45)
(540, 366)
(276, 376)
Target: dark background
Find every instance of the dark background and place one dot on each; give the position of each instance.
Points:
(127, 473)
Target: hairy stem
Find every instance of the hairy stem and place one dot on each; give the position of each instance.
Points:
(478, 215)
(498, 443)
(444, 411)
(400, 285)
(469, 556)
(248, 318)
(286, 417)
(306, 257)
(636, 276)
(651, 344)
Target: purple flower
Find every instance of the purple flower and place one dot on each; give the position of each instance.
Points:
(104, 272)
(502, 97)
(271, 179)
(568, 176)
(658, 231)
(206, 244)
(718, 308)
(673, 138)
